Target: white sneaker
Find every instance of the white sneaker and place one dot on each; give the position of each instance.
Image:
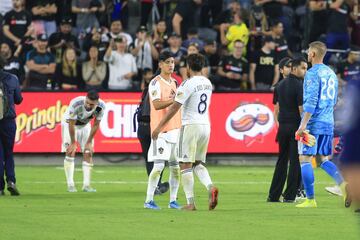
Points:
(88, 189)
(72, 189)
(335, 190)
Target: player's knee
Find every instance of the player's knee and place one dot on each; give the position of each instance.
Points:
(87, 157)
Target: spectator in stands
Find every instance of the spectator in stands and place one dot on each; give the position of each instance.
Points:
(13, 64)
(17, 24)
(337, 36)
(155, 8)
(116, 9)
(258, 27)
(227, 15)
(210, 10)
(116, 31)
(184, 16)
(93, 38)
(68, 73)
(122, 65)
(143, 50)
(94, 71)
(193, 37)
(193, 48)
(211, 54)
(319, 15)
(175, 49)
(43, 16)
(160, 36)
(63, 39)
(237, 30)
(354, 24)
(41, 65)
(273, 8)
(264, 68)
(233, 70)
(86, 11)
(349, 68)
(281, 49)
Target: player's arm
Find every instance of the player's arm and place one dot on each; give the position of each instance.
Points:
(155, 96)
(252, 75)
(161, 104)
(276, 74)
(94, 129)
(276, 113)
(174, 108)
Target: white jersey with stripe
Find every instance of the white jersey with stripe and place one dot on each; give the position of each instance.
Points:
(76, 111)
(195, 96)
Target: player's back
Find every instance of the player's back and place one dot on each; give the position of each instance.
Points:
(195, 95)
(320, 95)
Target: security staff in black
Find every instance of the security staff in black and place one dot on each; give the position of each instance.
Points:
(288, 100)
(10, 94)
(143, 132)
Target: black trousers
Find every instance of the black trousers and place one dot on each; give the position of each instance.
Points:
(287, 151)
(7, 139)
(144, 136)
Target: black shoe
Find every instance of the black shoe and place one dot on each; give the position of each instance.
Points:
(12, 189)
(164, 187)
(2, 193)
(272, 200)
(287, 201)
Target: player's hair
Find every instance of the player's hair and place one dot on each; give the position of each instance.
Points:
(164, 55)
(296, 62)
(196, 62)
(239, 41)
(93, 95)
(319, 47)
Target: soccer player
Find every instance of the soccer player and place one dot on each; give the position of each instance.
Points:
(320, 96)
(194, 95)
(76, 128)
(161, 93)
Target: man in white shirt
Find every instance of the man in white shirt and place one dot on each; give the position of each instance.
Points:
(122, 65)
(76, 129)
(194, 95)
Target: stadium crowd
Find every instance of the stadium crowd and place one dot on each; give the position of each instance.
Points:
(91, 44)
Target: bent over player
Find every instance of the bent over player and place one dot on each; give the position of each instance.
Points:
(194, 95)
(320, 96)
(76, 128)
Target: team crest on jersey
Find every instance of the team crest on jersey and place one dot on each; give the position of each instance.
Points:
(153, 93)
(161, 150)
(180, 94)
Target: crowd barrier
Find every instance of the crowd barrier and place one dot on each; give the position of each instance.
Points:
(240, 123)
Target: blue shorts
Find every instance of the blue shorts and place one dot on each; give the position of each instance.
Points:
(323, 146)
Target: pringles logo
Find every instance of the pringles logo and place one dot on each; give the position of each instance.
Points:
(250, 122)
(39, 118)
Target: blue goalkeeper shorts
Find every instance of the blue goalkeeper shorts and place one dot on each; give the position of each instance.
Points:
(323, 146)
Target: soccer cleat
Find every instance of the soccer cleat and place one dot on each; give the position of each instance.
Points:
(335, 190)
(346, 195)
(287, 201)
(174, 205)
(72, 189)
(88, 189)
(300, 195)
(12, 189)
(306, 138)
(309, 203)
(213, 197)
(189, 207)
(151, 205)
(269, 200)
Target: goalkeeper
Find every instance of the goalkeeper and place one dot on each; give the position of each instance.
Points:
(320, 95)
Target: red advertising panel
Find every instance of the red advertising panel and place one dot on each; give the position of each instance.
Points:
(241, 123)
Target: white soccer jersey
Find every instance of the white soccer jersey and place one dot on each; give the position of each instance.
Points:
(195, 96)
(76, 111)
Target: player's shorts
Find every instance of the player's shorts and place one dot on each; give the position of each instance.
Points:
(81, 135)
(193, 143)
(163, 148)
(323, 146)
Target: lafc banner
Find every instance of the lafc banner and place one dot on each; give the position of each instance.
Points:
(241, 123)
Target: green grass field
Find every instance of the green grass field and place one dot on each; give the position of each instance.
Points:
(46, 211)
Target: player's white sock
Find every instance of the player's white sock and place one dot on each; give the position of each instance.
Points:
(187, 178)
(174, 180)
(86, 167)
(154, 180)
(203, 175)
(69, 166)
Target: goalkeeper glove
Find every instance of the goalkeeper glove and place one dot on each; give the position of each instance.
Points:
(306, 138)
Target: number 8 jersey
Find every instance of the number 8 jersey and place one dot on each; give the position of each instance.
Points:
(320, 96)
(195, 96)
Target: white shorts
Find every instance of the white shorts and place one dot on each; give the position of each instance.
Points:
(81, 135)
(193, 143)
(163, 148)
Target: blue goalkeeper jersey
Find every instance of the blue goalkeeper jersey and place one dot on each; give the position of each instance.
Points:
(320, 95)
